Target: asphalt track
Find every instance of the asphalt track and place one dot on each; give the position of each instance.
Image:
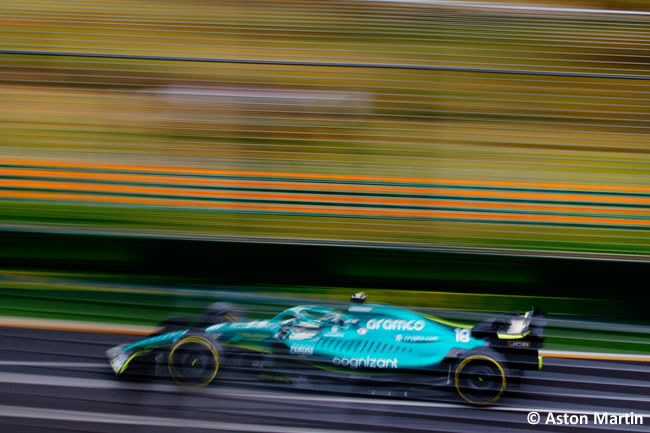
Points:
(53, 381)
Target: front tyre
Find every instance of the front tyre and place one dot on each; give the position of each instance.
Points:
(193, 362)
(480, 378)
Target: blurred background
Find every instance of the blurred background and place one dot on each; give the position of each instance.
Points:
(462, 158)
(413, 124)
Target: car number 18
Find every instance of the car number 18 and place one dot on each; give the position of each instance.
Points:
(462, 335)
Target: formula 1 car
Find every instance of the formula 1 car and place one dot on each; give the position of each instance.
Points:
(370, 342)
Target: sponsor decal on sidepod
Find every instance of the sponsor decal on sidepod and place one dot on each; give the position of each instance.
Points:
(395, 324)
(365, 362)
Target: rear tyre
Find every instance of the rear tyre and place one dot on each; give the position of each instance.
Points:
(193, 362)
(480, 378)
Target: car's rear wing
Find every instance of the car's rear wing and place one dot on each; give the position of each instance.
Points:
(510, 328)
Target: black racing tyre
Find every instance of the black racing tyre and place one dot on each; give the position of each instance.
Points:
(193, 362)
(480, 377)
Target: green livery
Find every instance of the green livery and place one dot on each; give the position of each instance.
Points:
(366, 339)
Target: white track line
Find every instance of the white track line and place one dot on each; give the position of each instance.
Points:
(55, 364)
(223, 392)
(181, 423)
(383, 401)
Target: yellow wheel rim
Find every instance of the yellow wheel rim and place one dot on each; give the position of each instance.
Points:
(466, 361)
(197, 340)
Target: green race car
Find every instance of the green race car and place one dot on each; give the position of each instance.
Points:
(369, 344)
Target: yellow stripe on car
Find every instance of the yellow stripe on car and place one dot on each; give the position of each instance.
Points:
(447, 322)
(512, 336)
(128, 361)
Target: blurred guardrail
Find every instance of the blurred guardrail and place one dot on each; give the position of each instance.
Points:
(450, 124)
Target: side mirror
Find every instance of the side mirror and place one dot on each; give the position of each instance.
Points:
(358, 298)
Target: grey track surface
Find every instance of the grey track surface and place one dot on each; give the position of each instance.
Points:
(53, 381)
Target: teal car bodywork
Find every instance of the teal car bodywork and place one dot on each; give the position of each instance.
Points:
(366, 339)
